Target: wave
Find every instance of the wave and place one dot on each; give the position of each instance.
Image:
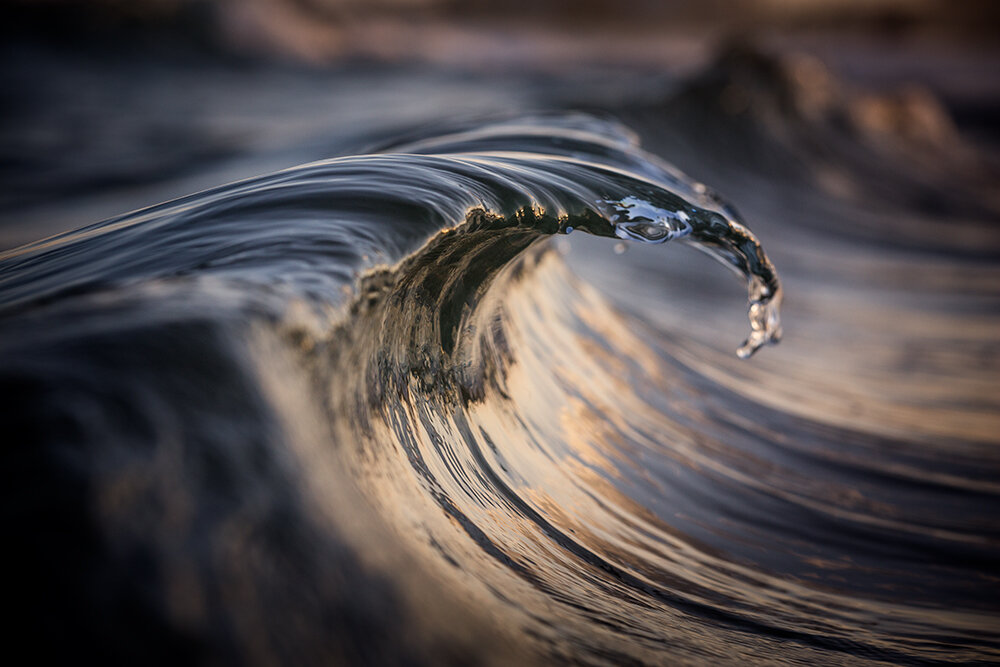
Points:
(310, 229)
(362, 411)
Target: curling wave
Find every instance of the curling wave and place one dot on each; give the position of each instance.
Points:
(361, 410)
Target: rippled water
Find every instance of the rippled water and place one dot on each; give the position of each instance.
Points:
(415, 405)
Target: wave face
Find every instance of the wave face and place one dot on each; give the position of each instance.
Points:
(363, 411)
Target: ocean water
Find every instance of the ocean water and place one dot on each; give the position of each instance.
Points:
(465, 394)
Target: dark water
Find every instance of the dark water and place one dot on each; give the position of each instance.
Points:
(466, 397)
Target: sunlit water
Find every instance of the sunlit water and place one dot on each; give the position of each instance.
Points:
(415, 404)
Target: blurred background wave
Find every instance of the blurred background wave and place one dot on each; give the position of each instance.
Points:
(104, 103)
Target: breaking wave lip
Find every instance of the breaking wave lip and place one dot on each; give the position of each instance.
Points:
(388, 341)
(312, 228)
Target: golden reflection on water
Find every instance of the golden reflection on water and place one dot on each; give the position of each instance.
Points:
(593, 487)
